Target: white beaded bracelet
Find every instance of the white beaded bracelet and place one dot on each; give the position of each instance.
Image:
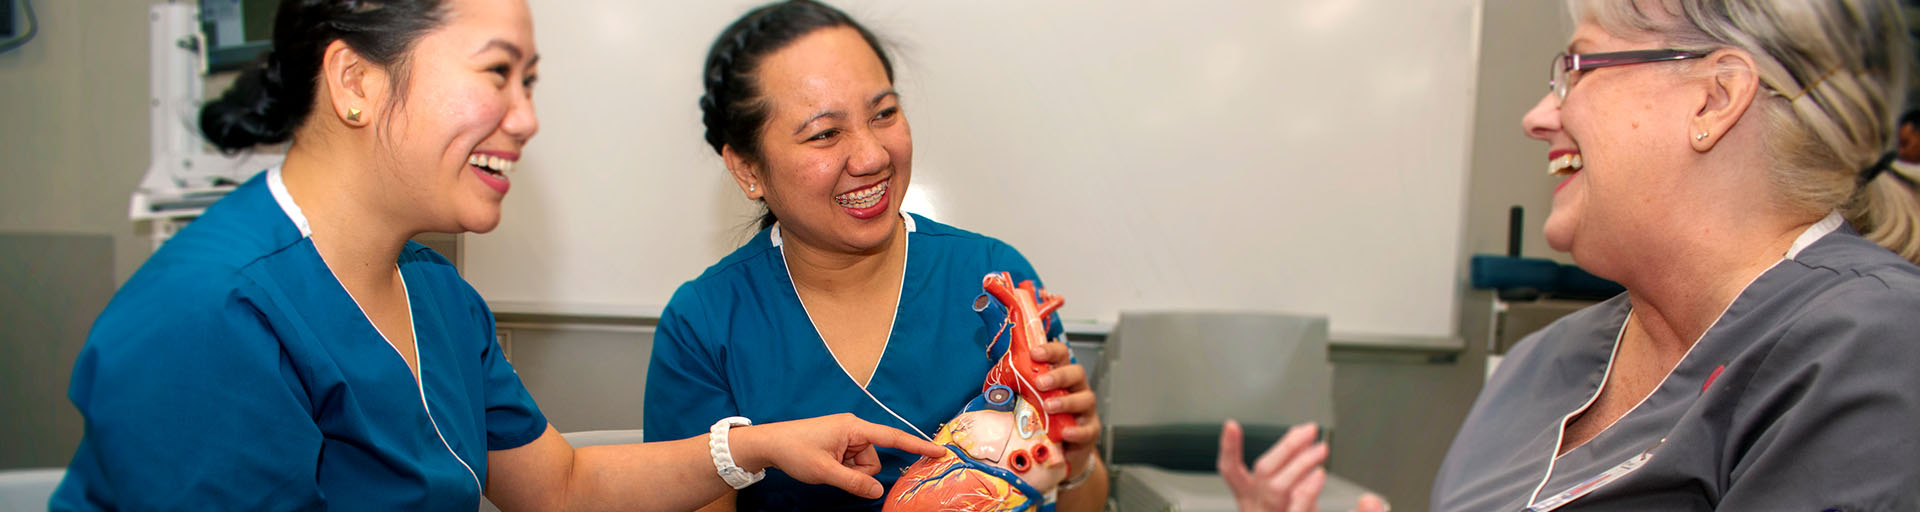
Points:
(722, 452)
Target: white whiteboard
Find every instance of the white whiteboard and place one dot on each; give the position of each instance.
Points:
(1293, 155)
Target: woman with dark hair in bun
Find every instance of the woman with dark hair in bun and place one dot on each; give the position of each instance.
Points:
(842, 303)
(291, 349)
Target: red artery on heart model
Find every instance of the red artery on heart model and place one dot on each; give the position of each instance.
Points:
(1027, 322)
(1004, 448)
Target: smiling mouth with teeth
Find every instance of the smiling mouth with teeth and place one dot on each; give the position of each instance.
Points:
(1565, 165)
(496, 166)
(863, 198)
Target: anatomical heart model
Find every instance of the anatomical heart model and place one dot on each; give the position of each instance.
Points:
(1004, 450)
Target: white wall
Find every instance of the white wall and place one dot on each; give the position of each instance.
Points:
(1301, 155)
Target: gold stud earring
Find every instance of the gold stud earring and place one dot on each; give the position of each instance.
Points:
(353, 115)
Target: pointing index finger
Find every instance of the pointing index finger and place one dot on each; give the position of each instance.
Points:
(893, 438)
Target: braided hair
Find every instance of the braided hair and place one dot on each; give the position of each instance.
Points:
(270, 101)
(732, 107)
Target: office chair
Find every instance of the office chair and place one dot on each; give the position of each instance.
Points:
(1170, 379)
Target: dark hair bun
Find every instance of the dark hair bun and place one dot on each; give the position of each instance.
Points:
(250, 113)
(269, 102)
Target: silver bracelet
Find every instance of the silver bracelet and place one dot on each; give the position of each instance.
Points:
(1076, 481)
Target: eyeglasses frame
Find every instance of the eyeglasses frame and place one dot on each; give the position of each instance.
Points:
(1560, 73)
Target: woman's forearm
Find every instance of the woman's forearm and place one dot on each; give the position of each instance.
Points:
(667, 475)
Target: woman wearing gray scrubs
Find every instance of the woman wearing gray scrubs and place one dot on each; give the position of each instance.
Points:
(1766, 355)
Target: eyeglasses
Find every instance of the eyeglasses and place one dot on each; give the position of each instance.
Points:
(1560, 75)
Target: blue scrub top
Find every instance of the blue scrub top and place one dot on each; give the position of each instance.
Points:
(737, 342)
(234, 372)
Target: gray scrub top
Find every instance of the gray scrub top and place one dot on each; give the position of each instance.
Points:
(1804, 395)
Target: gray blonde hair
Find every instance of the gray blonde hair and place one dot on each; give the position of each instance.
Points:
(1838, 73)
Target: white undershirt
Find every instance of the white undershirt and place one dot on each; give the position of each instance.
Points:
(1814, 233)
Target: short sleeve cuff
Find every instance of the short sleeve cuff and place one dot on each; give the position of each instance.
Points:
(499, 440)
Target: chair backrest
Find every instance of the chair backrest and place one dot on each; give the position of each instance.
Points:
(1171, 374)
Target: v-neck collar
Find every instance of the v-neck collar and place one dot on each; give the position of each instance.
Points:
(1812, 234)
(277, 186)
(892, 324)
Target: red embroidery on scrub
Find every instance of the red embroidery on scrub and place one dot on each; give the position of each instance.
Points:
(1712, 376)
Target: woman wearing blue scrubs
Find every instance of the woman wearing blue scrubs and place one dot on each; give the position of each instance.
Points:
(843, 304)
(291, 349)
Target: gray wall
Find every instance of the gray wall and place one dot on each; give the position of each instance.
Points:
(583, 377)
(1399, 412)
(53, 285)
(75, 143)
(74, 146)
(1518, 39)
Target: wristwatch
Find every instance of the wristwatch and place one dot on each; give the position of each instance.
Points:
(723, 454)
